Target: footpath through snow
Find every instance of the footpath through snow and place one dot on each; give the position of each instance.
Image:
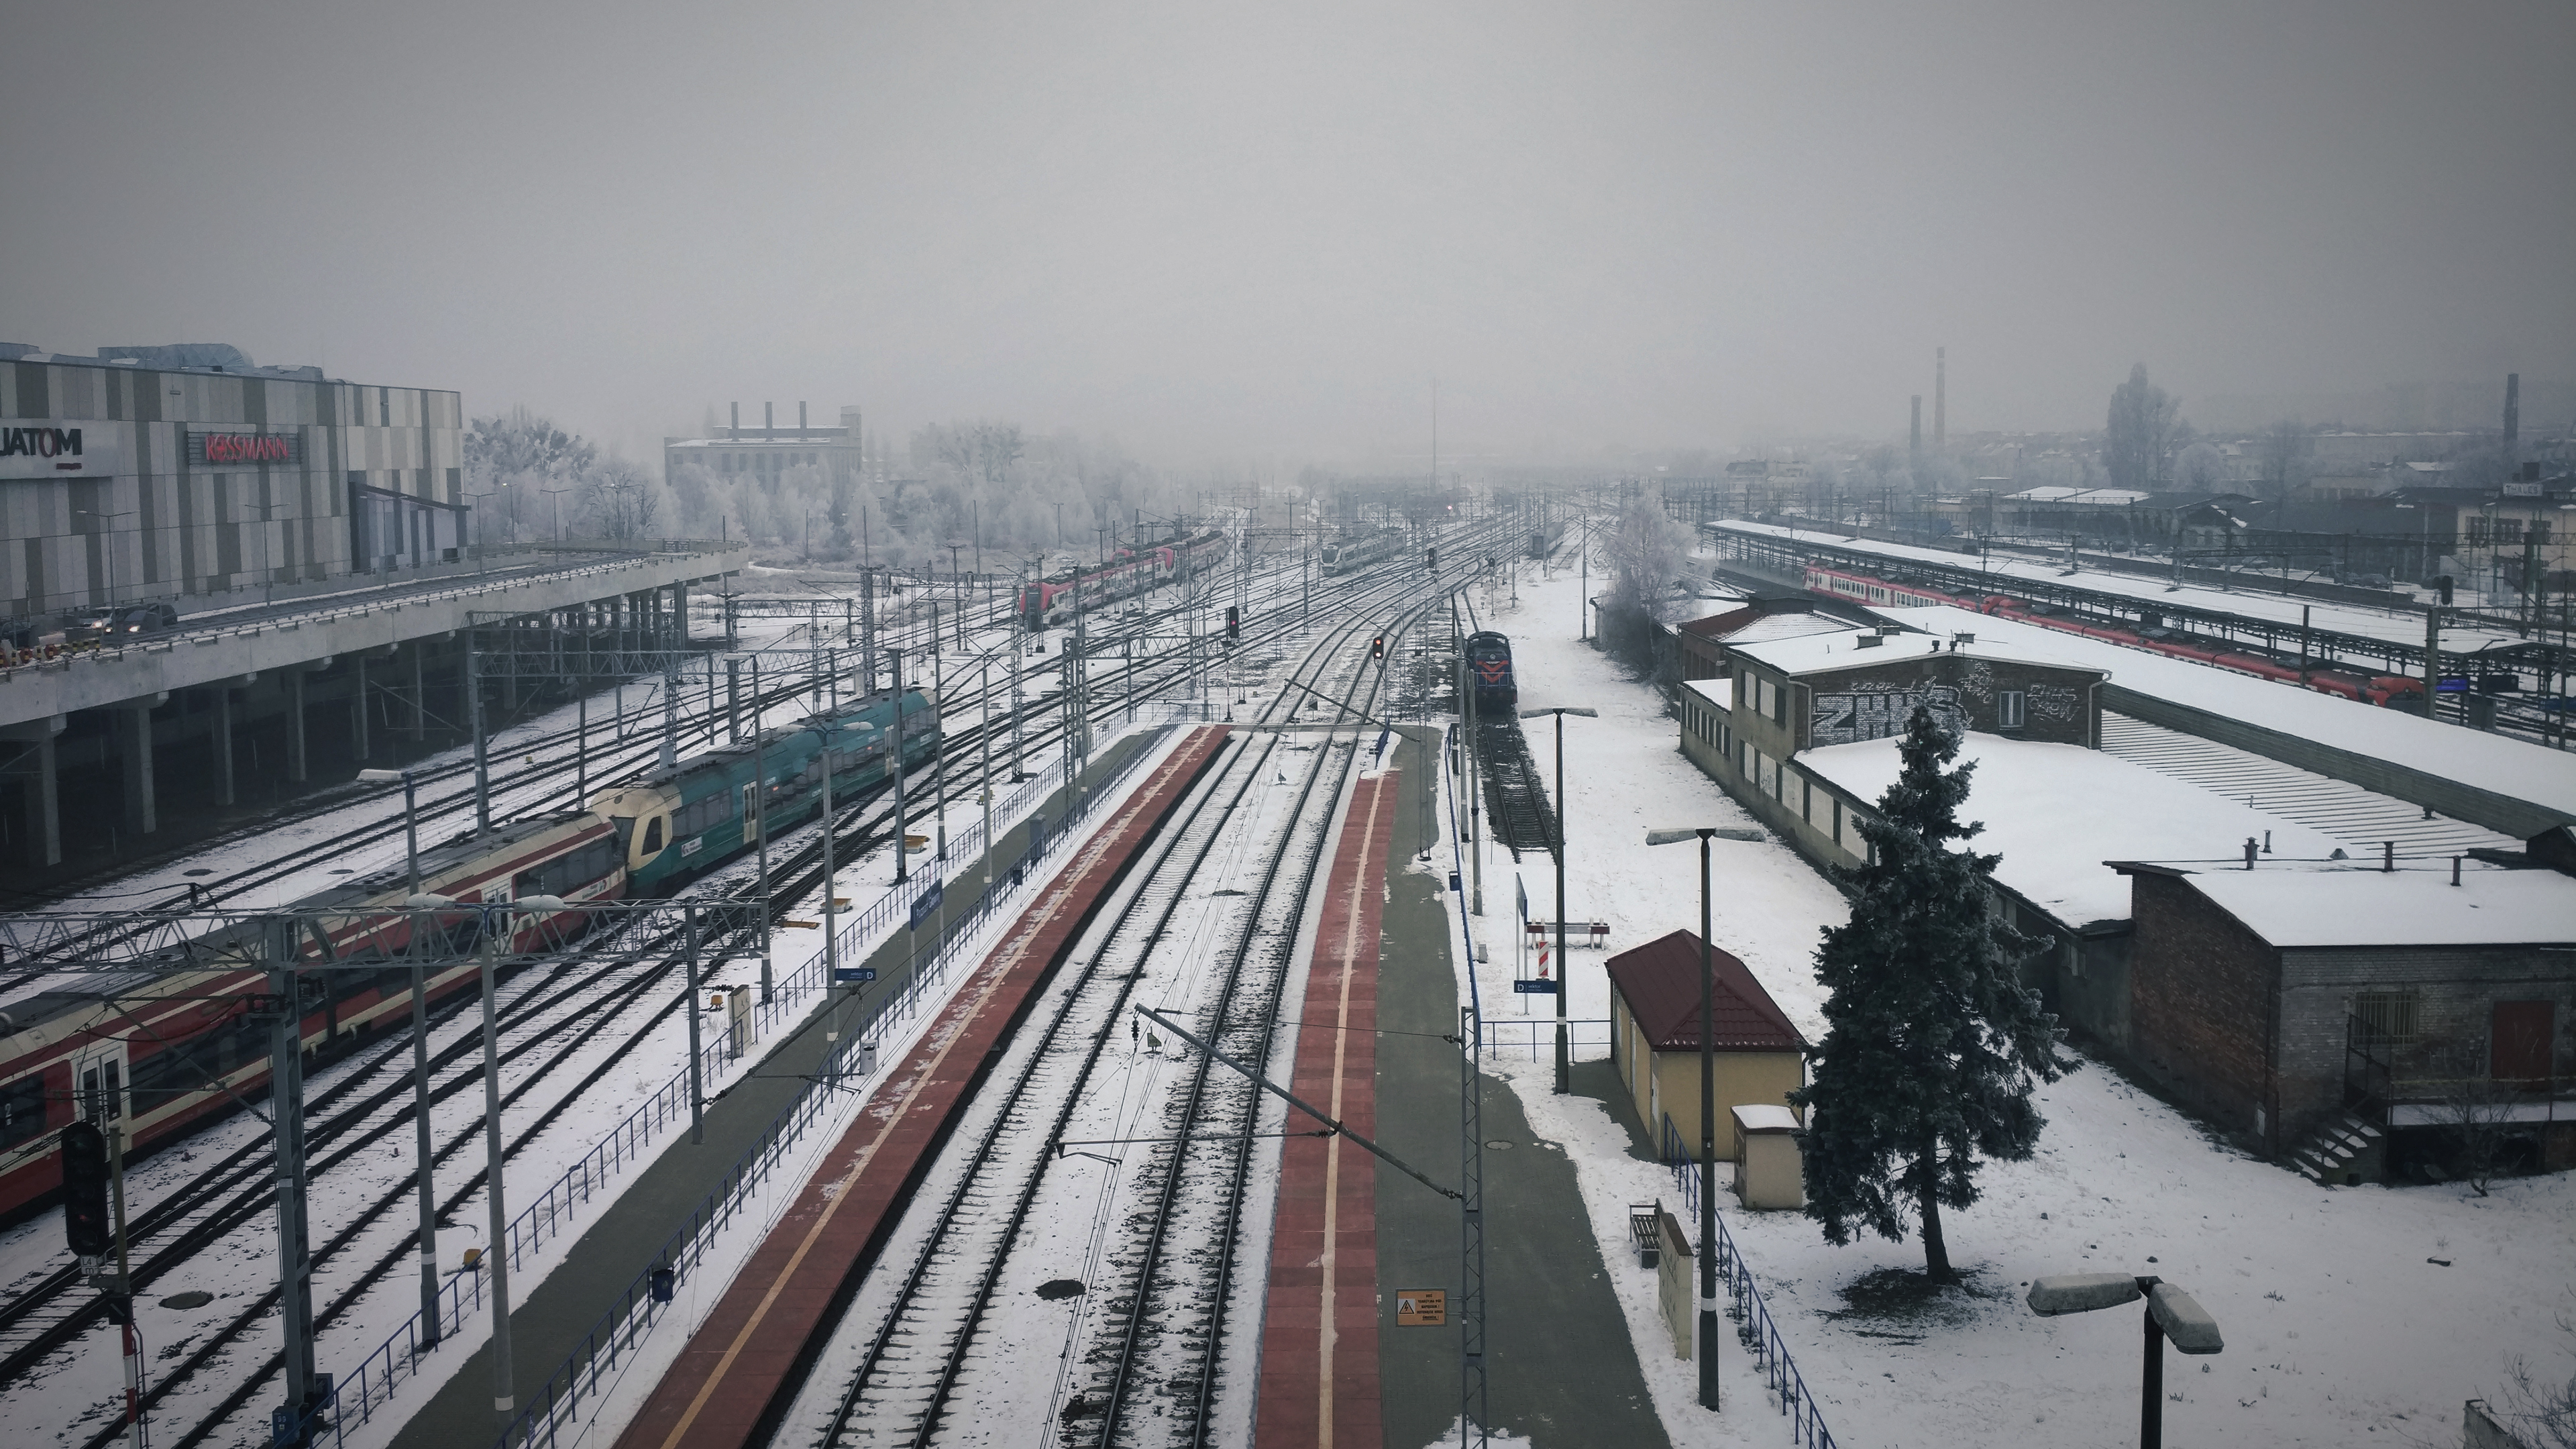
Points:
(2341, 1326)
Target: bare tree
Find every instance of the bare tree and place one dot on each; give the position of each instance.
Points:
(2282, 451)
(1648, 554)
(620, 500)
(2475, 1108)
(2139, 439)
(2541, 1406)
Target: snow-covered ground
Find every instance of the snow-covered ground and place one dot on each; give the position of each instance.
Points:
(2341, 1326)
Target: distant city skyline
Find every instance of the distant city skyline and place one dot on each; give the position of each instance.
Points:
(1231, 239)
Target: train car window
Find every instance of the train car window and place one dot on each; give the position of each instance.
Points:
(22, 1110)
(653, 835)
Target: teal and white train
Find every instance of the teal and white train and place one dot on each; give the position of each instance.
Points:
(676, 823)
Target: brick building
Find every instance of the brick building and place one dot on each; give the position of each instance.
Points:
(2297, 999)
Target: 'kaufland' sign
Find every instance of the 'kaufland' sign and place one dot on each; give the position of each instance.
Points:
(243, 450)
(57, 448)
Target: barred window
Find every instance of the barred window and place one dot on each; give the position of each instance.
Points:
(2386, 1018)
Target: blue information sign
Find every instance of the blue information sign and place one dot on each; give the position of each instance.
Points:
(1534, 988)
(924, 904)
(855, 973)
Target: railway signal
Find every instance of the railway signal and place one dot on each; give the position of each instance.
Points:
(1377, 648)
(86, 1225)
(1431, 559)
(1233, 624)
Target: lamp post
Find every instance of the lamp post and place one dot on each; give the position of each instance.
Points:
(483, 549)
(1708, 1392)
(108, 550)
(557, 495)
(419, 1045)
(2171, 1313)
(1564, 1062)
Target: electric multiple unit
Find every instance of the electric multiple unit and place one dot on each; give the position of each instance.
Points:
(169, 1044)
(1054, 599)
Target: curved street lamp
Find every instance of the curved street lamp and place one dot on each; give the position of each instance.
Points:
(2171, 1313)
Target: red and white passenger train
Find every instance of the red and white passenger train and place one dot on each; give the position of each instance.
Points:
(158, 1046)
(2394, 690)
(1134, 571)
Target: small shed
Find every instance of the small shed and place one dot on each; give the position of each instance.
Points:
(1654, 1037)
(1768, 1171)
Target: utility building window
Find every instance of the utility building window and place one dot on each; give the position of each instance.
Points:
(2386, 1018)
(2010, 708)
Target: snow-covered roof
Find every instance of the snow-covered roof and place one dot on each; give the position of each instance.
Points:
(1789, 626)
(1719, 692)
(2052, 854)
(1842, 649)
(2364, 906)
(2509, 767)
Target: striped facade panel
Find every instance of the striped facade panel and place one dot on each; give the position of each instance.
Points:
(161, 526)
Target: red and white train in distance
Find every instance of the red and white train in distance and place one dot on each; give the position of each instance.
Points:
(1134, 571)
(2392, 690)
(156, 1046)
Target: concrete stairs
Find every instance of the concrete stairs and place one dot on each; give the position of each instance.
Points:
(2343, 1151)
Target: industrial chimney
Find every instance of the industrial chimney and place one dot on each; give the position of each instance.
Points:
(736, 430)
(769, 420)
(1941, 400)
(1914, 446)
(2512, 416)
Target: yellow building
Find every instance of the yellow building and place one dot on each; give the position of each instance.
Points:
(1654, 1034)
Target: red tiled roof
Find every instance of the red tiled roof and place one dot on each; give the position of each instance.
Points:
(1660, 982)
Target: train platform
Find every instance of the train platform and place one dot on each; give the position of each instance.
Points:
(1320, 1369)
(740, 1369)
(552, 1320)
(1561, 1366)
(1338, 1365)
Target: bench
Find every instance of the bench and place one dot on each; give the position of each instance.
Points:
(1642, 1220)
(1577, 933)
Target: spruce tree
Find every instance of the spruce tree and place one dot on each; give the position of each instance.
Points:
(1932, 1044)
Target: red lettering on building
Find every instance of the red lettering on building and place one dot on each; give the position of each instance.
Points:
(245, 448)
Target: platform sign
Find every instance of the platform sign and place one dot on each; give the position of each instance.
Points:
(1421, 1307)
(1534, 988)
(855, 974)
(927, 902)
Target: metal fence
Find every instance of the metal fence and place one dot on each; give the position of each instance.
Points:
(557, 1404)
(1536, 1035)
(372, 1384)
(1754, 1329)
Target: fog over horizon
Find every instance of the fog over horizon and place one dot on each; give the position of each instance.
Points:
(1250, 237)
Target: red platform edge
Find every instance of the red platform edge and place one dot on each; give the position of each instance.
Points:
(1319, 1329)
(740, 1367)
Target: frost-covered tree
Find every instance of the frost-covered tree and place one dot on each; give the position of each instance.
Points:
(1932, 1044)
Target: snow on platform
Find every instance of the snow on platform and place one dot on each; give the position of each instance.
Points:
(2396, 625)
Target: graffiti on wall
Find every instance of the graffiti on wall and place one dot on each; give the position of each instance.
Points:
(1873, 714)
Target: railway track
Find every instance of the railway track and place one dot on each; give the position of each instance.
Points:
(917, 1344)
(370, 1099)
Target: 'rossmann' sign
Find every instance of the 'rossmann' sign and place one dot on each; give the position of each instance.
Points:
(241, 450)
(57, 449)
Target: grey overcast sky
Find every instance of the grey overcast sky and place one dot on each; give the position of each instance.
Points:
(1221, 232)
